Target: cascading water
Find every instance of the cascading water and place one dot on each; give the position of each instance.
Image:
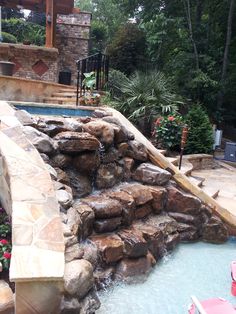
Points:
(192, 269)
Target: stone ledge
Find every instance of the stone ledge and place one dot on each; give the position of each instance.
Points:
(27, 193)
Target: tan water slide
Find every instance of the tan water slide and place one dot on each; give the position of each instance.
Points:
(183, 181)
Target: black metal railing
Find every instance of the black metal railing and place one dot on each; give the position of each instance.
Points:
(97, 63)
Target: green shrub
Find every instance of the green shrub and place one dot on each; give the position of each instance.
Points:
(200, 136)
(168, 131)
(25, 31)
(128, 48)
(115, 79)
(8, 38)
(146, 94)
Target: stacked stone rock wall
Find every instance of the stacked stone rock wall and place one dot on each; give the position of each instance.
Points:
(120, 213)
(73, 35)
(32, 62)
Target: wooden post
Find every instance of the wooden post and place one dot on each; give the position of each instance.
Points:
(51, 17)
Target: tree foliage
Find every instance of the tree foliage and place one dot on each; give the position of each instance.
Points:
(127, 50)
(200, 137)
(187, 40)
(23, 30)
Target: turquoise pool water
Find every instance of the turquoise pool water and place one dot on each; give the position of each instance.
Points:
(54, 111)
(198, 269)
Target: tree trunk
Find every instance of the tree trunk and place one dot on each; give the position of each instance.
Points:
(226, 55)
(188, 14)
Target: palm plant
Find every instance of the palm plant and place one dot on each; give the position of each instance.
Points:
(146, 95)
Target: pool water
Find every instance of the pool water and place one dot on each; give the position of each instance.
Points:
(54, 111)
(198, 269)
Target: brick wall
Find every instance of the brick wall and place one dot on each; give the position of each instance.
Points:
(32, 62)
(73, 34)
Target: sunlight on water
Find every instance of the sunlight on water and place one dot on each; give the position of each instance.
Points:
(192, 269)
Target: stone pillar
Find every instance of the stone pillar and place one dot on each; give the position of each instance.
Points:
(73, 35)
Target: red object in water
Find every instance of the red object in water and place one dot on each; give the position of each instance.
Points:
(214, 306)
(233, 275)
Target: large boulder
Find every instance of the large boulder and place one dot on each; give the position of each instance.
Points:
(128, 205)
(25, 118)
(73, 252)
(70, 305)
(42, 142)
(154, 238)
(108, 175)
(87, 162)
(134, 243)
(128, 164)
(64, 198)
(110, 247)
(159, 199)
(151, 174)
(91, 253)
(121, 133)
(87, 217)
(6, 298)
(55, 125)
(143, 211)
(215, 231)
(81, 184)
(164, 223)
(140, 193)
(90, 304)
(62, 176)
(182, 202)
(187, 233)
(134, 150)
(74, 142)
(133, 267)
(111, 155)
(104, 207)
(102, 130)
(186, 218)
(107, 225)
(61, 161)
(171, 241)
(74, 222)
(78, 278)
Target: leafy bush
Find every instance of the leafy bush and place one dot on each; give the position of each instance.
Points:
(146, 94)
(200, 137)
(168, 130)
(5, 245)
(128, 48)
(115, 79)
(25, 31)
(5, 253)
(8, 38)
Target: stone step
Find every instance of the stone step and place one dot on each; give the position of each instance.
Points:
(65, 90)
(197, 180)
(186, 168)
(64, 94)
(59, 100)
(211, 191)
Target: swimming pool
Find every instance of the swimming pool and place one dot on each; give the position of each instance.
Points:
(198, 269)
(54, 111)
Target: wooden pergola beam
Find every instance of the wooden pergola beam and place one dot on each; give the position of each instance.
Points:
(51, 19)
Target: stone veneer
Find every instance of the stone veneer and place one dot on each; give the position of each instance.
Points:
(33, 62)
(41, 63)
(73, 34)
(27, 194)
